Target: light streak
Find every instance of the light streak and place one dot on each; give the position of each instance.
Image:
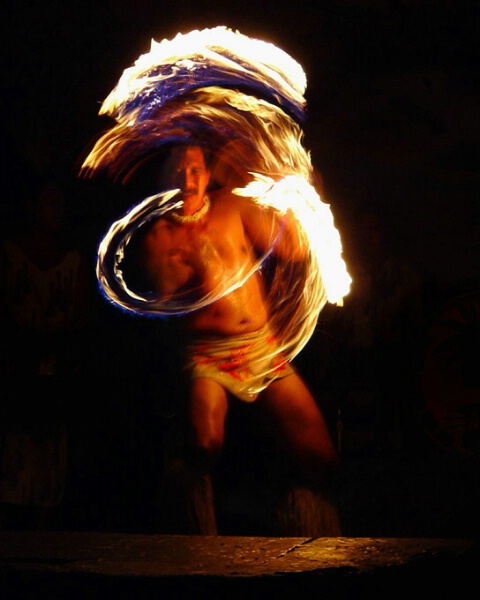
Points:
(244, 98)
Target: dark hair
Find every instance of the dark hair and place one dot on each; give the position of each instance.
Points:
(207, 153)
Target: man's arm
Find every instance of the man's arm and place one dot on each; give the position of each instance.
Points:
(267, 227)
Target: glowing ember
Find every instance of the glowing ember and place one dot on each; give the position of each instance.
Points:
(242, 98)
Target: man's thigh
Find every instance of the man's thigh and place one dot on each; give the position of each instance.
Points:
(207, 410)
(296, 418)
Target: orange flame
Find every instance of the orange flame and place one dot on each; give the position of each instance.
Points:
(258, 144)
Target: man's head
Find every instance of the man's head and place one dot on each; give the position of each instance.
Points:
(186, 168)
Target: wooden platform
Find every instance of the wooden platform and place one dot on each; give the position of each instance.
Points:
(75, 565)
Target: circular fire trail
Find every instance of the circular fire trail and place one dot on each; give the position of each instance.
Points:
(243, 99)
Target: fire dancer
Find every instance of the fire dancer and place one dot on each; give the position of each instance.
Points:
(244, 270)
(229, 342)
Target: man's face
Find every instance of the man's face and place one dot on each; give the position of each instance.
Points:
(186, 170)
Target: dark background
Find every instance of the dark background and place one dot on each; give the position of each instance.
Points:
(393, 120)
(392, 98)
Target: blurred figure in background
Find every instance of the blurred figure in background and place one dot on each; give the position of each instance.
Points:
(43, 311)
(379, 327)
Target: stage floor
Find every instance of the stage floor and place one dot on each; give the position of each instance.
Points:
(102, 565)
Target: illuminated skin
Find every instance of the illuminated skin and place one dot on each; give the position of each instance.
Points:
(191, 258)
(208, 272)
(194, 256)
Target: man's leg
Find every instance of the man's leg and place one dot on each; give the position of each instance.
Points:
(190, 481)
(207, 410)
(298, 423)
(308, 505)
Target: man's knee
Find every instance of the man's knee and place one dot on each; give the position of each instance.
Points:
(318, 466)
(204, 452)
(208, 409)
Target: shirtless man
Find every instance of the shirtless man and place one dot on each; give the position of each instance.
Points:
(211, 239)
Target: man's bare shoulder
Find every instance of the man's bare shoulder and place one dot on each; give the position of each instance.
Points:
(225, 199)
(222, 194)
